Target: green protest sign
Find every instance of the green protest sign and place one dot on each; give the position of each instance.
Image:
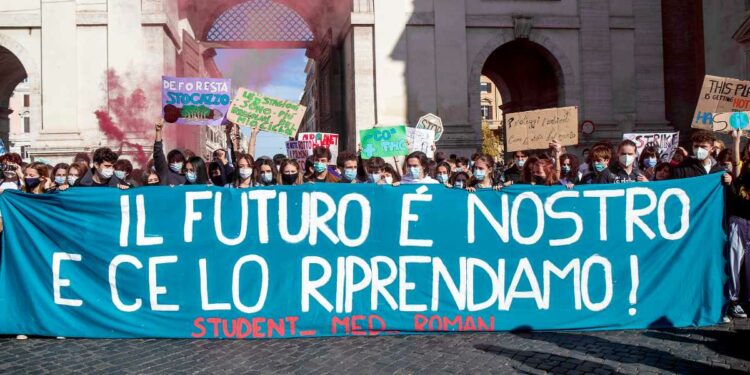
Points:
(384, 142)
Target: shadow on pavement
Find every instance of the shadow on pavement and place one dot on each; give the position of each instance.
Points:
(551, 363)
(728, 343)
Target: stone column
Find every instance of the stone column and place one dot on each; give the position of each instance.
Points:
(390, 62)
(596, 63)
(649, 66)
(59, 66)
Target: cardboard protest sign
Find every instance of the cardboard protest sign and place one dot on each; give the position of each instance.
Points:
(252, 109)
(421, 140)
(720, 95)
(666, 143)
(534, 130)
(732, 120)
(328, 140)
(195, 101)
(341, 259)
(299, 150)
(384, 142)
(431, 122)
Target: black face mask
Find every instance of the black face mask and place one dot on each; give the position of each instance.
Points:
(288, 179)
(538, 180)
(218, 180)
(31, 182)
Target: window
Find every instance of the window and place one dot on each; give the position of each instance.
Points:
(486, 87)
(26, 124)
(486, 112)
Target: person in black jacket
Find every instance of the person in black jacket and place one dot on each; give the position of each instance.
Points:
(103, 172)
(512, 175)
(624, 169)
(701, 163)
(169, 168)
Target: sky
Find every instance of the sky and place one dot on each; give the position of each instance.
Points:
(274, 72)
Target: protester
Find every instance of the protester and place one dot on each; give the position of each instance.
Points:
(196, 172)
(624, 169)
(679, 156)
(462, 165)
(663, 171)
(320, 158)
(290, 173)
(243, 176)
(459, 180)
(599, 159)
(36, 178)
(702, 163)
(540, 172)
(123, 172)
(151, 179)
(415, 169)
(738, 211)
(443, 173)
(347, 162)
(75, 172)
(389, 176)
(169, 168)
(103, 172)
(726, 160)
(277, 159)
(374, 168)
(59, 175)
(12, 177)
(216, 174)
(719, 146)
(648, 160)
(482, 174)
(82, 158)
(512, 175)
(569, 170)
(222, 164)
(265, 172)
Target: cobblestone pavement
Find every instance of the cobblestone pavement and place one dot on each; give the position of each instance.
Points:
(720, 349)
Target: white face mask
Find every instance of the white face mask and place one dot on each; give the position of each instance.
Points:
(389, 180)
(72, 179)
(700, 153)
(245, 173)
(627, 160)
(107, 172)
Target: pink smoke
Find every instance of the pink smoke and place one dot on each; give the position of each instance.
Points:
(126, 114)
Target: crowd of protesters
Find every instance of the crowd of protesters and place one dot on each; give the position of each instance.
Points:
(604, 163)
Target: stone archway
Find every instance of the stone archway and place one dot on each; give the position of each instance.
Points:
(567, 85)
(17, 66)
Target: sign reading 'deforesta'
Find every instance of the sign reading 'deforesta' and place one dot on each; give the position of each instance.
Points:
(362, 259)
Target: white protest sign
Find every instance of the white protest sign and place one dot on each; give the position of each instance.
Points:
(431, 122)
(327, 140)
(421, 140)
(666, 143)
(299, 150)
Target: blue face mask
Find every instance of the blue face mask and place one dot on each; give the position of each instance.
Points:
(565, 169)
(650, 162)
(415, 172)
(459, 184)
(320, 167)
(442, 178)
(480, 174)
(599, 166)
(350, 174)
(120, 175)
(191, 177)
(373, 178)
(60, 180)
(266, 177)
(176, 167)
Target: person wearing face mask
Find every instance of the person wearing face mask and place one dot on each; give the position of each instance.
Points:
(443, 173)
(701, 163)
(196, 172)
(663, 171)
(482, 174)
(151, 179)
(59, 176)
(170, 168)
(265, 172)
(569, 171)
(389, 176)
(374, 168)
(512, 175)
(349, 168)
(459, 180)
(415, 169)
(320, 174)
(243, 174)
(124, 172)
(36, 179)
(216, 174)
(539, 172)
(103, 172)
(462, 165)
(625, 169)
(599, 159)
(648, 160)
(289, 173)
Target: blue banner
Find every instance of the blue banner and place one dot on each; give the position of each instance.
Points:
(331, 260)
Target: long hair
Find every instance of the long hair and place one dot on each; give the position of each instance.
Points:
(201, 172)
(490, 162)
(257, 174)
(40, 168)
(284, 163)
(573, 164)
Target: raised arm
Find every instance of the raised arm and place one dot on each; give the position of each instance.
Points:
(253, 140)
(160, 160)
(736, 157)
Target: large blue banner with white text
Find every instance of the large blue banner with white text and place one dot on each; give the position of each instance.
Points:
(324, 260)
